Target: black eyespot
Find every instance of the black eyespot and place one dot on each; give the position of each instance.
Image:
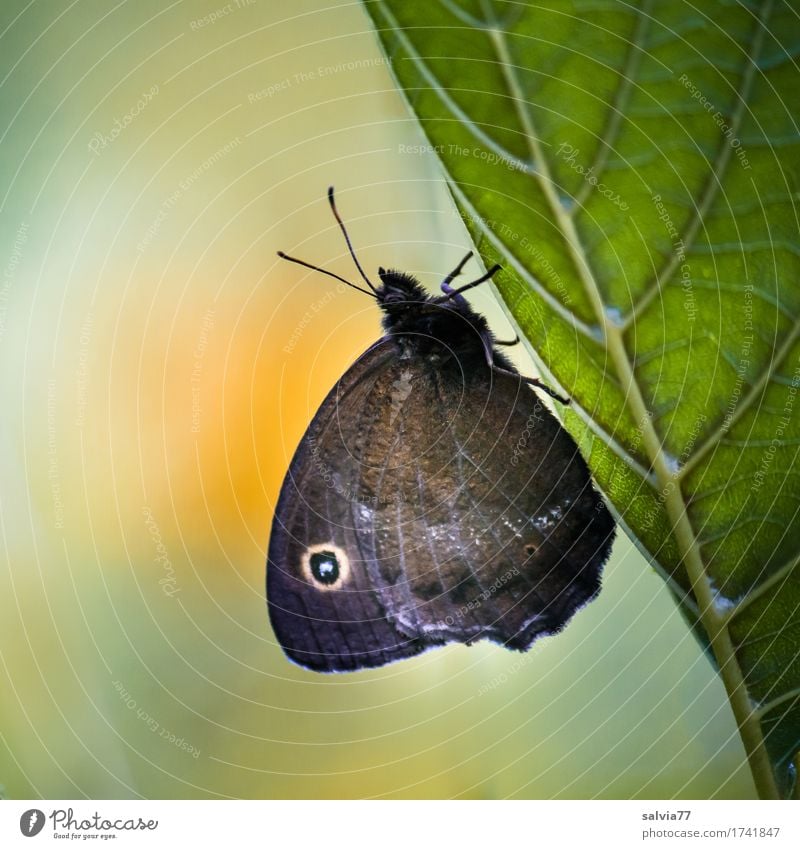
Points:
(324, 567)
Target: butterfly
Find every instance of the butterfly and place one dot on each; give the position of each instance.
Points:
(433, 498)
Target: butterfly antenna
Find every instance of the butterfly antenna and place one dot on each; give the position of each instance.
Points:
(282, 255)
(332, 202)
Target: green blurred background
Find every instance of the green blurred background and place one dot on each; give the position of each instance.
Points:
(160, 364)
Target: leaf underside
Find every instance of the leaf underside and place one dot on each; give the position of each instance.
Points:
(634, 169)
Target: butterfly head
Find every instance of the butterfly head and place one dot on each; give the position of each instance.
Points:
(399, 291)
(408, 308)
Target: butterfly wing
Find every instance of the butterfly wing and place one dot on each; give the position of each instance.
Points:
(480, 519)
(429, 505)
(336, 625)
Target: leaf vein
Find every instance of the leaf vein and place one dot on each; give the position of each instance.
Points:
(724, 154)
(674, 503)
(621, 99)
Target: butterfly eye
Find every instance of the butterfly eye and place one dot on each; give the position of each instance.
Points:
(326, 566)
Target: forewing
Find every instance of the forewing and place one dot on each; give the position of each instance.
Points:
(341, 626)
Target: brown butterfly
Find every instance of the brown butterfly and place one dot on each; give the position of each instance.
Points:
(433, 498)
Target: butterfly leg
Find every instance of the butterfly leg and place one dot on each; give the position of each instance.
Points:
(532, 381)
(455, 294)
(514, 341)
(446, 287)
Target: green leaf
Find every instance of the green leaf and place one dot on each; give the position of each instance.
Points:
(635, 171)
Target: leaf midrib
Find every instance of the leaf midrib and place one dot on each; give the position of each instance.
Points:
(688, 546)
(714, 622)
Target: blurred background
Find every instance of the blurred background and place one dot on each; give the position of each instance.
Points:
(159, 365)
